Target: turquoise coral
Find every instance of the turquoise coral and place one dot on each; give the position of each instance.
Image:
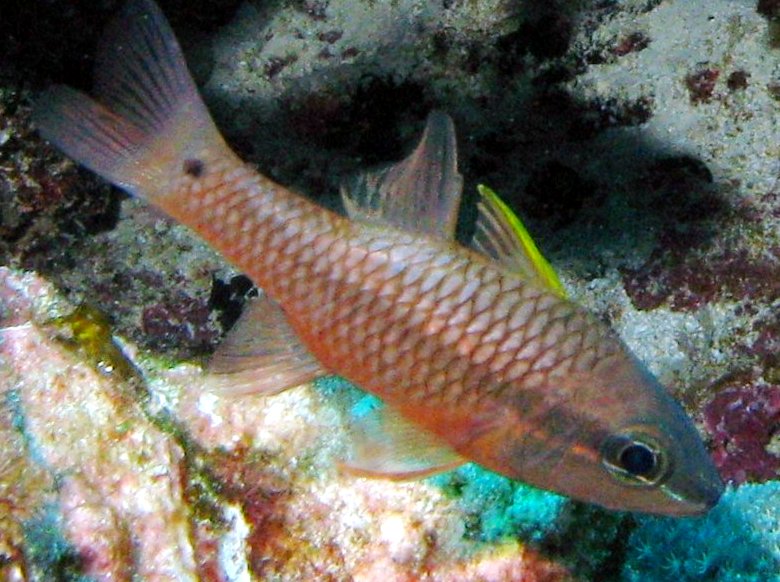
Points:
(739, 540)
(500, 508)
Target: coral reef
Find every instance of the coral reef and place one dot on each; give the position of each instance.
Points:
(743, 422)
(644, 160)
(117, 476)
(738, 540)
(497, 508)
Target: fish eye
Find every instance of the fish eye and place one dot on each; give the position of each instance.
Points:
(638, 459)
(635, 458)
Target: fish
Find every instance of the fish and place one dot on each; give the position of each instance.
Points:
(475, 350)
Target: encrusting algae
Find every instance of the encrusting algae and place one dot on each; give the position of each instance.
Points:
(87, 330)
(476, 352)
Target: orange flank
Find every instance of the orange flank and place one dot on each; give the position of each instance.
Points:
(475, 351)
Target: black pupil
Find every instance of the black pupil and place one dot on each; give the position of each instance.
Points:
(637, 459)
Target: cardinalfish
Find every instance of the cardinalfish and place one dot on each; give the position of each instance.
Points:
(476, 352)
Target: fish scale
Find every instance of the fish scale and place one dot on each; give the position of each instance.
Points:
(326, 306)
(313, 302)
(476, 352)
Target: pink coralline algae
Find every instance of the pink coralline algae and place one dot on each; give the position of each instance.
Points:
(182, 320)
(686, 283)
(701, 85)
(118, 476)
(744, 423)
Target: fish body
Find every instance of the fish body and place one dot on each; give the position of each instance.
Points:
(476, 352)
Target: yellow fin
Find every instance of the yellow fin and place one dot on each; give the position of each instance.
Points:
(501, 235)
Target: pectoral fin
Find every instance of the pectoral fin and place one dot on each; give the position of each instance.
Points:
(261, 354)
(420, 193)
(501, 236)
(388, 446)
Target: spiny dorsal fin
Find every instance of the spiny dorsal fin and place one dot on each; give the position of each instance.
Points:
(388, 446)
(261, 354)
(501, 236)
(420, 193)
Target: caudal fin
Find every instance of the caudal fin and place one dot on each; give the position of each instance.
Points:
(147, 121)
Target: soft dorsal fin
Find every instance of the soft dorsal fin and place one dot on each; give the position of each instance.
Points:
(501, 236)
(261, 354)
(420, 193)
(388, 446)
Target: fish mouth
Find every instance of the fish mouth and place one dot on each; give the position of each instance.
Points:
(695, 499)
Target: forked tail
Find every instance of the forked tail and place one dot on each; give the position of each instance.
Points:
(147, 124)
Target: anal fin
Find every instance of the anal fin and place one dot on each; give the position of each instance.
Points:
(261, 354)
(387, 446)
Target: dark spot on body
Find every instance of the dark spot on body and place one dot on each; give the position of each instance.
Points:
(194, 167)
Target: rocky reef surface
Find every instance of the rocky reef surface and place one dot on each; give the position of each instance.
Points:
(638, 140)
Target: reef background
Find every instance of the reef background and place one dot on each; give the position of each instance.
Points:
(640, 142)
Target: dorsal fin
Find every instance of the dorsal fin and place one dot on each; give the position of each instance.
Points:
(501, 236)
(388, 446)
(261, 354)
(420, 193)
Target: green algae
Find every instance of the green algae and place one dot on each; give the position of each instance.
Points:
(13, 403)
(47, 552)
